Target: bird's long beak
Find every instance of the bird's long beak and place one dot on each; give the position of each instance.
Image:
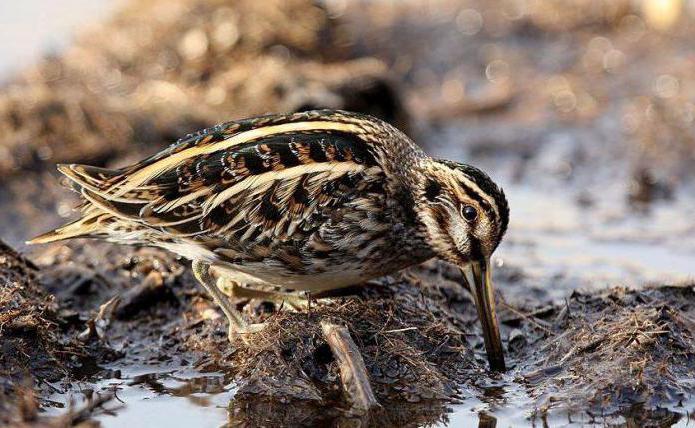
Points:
(479, 280)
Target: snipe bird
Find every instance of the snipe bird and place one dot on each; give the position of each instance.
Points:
(307, 202)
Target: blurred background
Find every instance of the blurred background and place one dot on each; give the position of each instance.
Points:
(582, 109)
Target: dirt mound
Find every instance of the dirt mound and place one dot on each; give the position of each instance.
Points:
(40, 351)
(27, 322)
(404, 329)
(620, 351)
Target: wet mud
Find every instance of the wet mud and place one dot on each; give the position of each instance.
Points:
(584, 117)
(604, 354)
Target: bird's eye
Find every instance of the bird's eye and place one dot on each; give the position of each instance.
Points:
(469, 213)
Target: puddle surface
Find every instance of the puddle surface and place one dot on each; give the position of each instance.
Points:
(182, 397)
(549, 240)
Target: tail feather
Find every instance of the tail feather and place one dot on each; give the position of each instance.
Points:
(83, 178)
(102, 181)
(90, 177)
(95, 184)
(83, 227)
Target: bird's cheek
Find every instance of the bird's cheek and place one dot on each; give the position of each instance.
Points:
(457, 254)
(464, 252)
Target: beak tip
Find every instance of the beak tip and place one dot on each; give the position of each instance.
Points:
(497, 364)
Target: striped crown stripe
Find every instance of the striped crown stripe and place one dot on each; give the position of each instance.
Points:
(472, 186)
(151, 171)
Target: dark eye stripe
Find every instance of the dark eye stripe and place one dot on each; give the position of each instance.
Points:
(432, 190)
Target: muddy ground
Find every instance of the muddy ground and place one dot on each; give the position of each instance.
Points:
(615, 352)
(583, 110)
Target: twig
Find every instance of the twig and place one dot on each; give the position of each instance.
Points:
(398, 330)
(353, 372)
(529, 318)
(146, 293)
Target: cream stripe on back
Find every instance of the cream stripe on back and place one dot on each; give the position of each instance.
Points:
(335, 168)
(151, 171)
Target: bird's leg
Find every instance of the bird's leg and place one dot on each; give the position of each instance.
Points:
(236, 323)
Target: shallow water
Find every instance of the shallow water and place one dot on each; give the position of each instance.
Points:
(149, 396)
(182, 397)
(593, 254)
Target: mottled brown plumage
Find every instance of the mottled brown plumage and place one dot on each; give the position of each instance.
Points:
(311, 201)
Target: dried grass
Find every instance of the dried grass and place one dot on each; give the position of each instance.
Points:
(160, 69)
(406, 335)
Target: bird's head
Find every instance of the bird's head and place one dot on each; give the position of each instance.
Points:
(465, 215)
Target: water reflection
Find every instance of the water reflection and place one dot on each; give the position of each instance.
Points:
(511, 407)
(261, 412)
(143, 396)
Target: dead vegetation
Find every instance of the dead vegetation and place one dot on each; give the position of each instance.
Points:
(406, 334)
(33, 350)
(410, 332)
(159, 70)
(418, 335)
(29, 354)
(602, 354)
(616, 350)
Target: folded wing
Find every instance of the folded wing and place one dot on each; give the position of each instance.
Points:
(268, 187)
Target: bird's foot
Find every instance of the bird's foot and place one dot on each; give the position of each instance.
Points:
(293, 300)
(244, 332)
